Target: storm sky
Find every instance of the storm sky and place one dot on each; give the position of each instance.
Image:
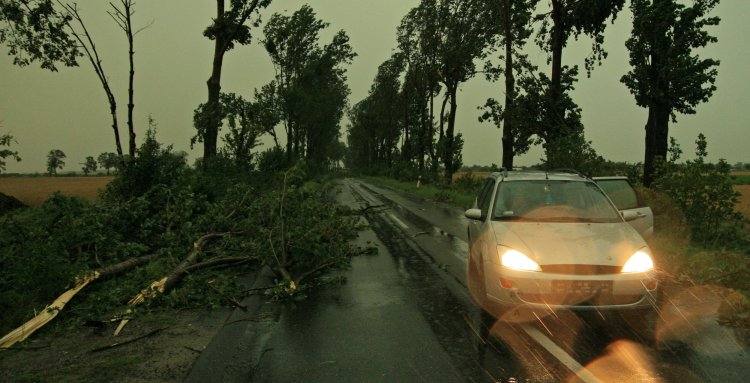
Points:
(67, 110)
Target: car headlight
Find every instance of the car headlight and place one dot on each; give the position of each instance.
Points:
(640, 262)
(516, 260)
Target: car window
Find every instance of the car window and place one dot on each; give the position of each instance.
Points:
(486, 195)
(553, 201)
(620, 192)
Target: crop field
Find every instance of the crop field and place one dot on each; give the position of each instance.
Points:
(35, 190)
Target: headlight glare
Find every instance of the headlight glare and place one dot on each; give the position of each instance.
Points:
(640, 262)
(516, 260)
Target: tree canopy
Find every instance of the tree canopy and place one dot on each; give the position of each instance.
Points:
(34, 31)
(667, 74)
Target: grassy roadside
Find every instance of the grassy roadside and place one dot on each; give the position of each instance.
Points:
(681, 260)
(463, 198)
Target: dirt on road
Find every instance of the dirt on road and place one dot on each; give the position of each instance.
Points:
(33, 191)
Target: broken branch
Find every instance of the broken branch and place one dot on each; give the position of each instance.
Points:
(51, 311)
(118, 344)
(186, 266)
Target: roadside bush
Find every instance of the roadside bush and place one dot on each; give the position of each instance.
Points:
(705, 194)
(272, 161)
(9, 203)
(154, 165)
(468, 182)
(404, 171)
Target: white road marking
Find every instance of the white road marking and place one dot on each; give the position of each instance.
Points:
(398, 221)
(567, 360)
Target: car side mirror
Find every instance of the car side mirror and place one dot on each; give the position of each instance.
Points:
(630, 215)
(475, 214)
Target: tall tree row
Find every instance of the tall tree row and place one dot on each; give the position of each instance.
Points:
(439, 41)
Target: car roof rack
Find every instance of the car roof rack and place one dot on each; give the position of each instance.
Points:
(568, 170)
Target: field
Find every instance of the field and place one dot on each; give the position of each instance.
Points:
(35, 190)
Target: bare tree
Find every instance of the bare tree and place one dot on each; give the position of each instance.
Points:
(81, 34)
(123, 15)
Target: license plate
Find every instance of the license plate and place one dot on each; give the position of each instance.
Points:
(582, 287)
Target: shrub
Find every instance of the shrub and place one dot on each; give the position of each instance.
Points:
(272, 161)
(154, 165)
(468, 182)
(705, 194)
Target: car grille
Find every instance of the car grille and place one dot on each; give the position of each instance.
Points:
(574, 269)
(579, 300)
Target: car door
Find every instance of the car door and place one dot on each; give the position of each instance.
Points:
(622, 194)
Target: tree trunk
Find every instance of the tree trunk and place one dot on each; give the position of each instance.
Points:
(510, 87)
(131, 105)
(437, 152)
(449, 137)
(405, 149)
(657, 126)
(657, 141)
(213, 106)
(115, 125)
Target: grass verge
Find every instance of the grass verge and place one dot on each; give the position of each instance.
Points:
(452, 195)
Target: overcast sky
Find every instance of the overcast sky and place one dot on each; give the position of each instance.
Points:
(67, 110)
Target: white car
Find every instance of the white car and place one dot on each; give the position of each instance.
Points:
(555, 240)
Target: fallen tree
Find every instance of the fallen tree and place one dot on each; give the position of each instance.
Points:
(188, 265)
(51, 311)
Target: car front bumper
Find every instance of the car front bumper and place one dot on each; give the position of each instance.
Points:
(540, 290)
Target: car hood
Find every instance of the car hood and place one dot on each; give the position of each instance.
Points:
(570, 243)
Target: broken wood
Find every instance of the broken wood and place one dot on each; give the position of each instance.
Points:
(187, 265)
(118, 344)
(51, 311)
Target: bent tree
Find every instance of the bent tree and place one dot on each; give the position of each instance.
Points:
(667, 75)
(231, 26)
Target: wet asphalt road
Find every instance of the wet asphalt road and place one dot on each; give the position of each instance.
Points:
(405, 315)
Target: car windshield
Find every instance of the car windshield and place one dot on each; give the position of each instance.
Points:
(552, 201)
